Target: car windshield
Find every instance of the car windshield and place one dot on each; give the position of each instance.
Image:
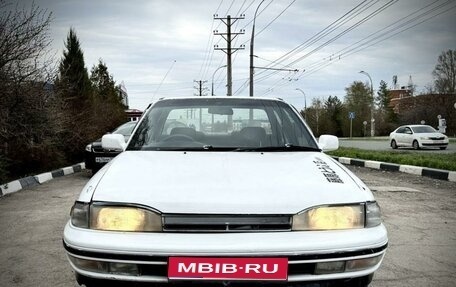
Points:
(423, 129)
(125, 129)
(222, 124)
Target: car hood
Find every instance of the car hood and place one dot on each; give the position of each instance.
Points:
(227, 182)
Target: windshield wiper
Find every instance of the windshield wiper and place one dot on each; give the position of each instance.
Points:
(286, 147)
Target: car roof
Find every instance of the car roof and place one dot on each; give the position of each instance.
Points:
(221, 97)
(413, 126)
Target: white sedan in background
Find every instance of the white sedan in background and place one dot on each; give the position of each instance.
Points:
(241, 191)
(418, 136)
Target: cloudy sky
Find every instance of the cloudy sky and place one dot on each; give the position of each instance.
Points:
(159, 47)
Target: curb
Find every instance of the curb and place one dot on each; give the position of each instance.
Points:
(410, 169)
(29, 181)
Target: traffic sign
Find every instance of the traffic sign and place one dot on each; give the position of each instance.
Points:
(351, 115)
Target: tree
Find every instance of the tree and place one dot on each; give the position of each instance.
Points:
(28, 129)
(107, 100)
(74, 90)
(332, 122)
(314, 113)
(445, 72)
(359, 100)
(73, 80)
(386, 118)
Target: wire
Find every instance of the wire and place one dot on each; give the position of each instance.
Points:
(355, 11)
(209, 41)
(158, 88)
(402, 27)
(321, 33)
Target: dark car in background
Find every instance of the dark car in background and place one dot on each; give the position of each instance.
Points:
(96, 157)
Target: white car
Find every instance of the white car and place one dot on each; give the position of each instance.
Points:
(417, 136)
(242, 193)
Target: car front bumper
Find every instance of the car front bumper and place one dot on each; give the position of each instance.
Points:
(144, 257)
(434, 143)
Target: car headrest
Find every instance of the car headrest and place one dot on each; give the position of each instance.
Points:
(183, 131)
(253, 133)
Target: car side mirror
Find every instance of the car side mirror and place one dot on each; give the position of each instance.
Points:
(113, 141)
(328, 142)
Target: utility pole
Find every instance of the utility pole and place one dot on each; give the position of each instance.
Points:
(201, 93)
(252, 38)
(200, 88)
(229, 36)
(372, 103)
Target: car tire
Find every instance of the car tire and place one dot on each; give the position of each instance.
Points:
(443, 147)
(416, 145)
(393, 144)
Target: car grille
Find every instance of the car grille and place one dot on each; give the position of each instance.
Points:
(437, 138)
(226, 223)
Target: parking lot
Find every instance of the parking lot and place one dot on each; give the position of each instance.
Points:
(419, 214)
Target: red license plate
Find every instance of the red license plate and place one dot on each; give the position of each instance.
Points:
(209, 268)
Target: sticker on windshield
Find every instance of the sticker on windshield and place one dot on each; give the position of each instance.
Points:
(327, 171)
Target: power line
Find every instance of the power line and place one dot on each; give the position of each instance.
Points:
(158, 88)
(320, 34)
(373, 38)
(347, 30)
(273, 20)
(408, 22)
(209, 41)
(355, 11)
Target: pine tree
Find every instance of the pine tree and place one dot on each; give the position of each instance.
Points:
(334, 115)
(107, 100)
(73, 80)
(386, 117)
(74, 91)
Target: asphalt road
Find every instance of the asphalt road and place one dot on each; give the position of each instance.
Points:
(385, 145)
(419, 213)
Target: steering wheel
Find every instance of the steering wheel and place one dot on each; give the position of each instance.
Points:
(178, 137)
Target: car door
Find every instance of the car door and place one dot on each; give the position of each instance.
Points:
(399, 136)
(408, 136)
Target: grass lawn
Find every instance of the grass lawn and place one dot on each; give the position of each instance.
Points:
(439, 161)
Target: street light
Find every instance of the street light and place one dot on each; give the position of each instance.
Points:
(372, 104)
(305, 103)
(212, 90)
(251, 51)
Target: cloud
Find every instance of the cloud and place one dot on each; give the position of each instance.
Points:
(139, 41)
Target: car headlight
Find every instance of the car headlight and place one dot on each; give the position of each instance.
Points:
(88, 147)
(424, 138)
(120, 218)
(338, 217)
(115, 218)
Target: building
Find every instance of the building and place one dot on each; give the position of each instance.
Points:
(133, 114)
(396, 96)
